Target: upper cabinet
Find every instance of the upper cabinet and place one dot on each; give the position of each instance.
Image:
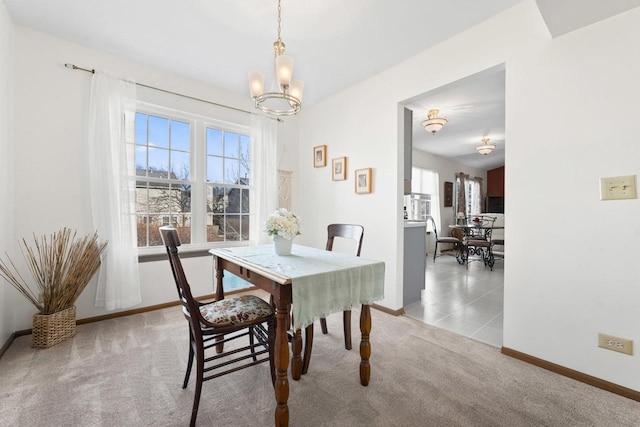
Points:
(495, 190)
(495, 182)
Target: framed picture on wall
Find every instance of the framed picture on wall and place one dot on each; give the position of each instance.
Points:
(363, 181)
(320, 156)
(339, 169)
(448, 194)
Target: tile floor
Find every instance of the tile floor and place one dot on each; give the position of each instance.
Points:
(467, 302)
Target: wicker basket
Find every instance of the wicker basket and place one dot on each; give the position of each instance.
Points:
(50, 329)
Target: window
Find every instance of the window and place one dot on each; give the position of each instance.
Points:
(193, 173)
(227, 186)
(473, 195)
(426, 181)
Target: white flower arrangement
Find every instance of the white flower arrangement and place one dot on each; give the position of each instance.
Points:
(283, 223)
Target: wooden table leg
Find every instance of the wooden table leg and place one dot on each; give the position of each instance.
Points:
(296, 360)
(365, 345)
(282, 365)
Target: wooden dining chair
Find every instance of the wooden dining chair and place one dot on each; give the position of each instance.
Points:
(215, 323)
(443, 239)
(346, 231)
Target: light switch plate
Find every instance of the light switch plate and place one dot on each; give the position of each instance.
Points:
(618, 187)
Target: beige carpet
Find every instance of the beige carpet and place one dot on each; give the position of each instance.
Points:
(128, 372)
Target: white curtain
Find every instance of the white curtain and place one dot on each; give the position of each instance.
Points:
(264, 178)
(111, 164)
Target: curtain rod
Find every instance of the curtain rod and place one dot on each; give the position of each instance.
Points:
(92, 71)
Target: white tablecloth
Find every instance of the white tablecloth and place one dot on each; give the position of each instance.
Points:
(322, 282)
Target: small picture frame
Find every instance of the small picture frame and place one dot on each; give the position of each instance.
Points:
(448, 194)
(339, 169)
(320, 156)
(363, 180)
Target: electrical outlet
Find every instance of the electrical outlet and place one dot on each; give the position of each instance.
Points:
(618, 187)
(621, 345)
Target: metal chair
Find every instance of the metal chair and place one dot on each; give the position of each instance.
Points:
(479, 240)
(216, 323)
(448, 240)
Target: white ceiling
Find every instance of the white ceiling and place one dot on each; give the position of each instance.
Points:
(336, 43)
(475, 108)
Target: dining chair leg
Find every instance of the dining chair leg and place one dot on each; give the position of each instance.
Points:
(198, 389)
(308, 345)
(271, 324)
(251, 343)
(190, 361)
(346, 321)
(323, 325)
(435, 251)
(296, 360)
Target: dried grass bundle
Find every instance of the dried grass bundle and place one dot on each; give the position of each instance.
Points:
(61, 267)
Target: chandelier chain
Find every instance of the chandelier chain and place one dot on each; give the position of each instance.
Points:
(279, 19)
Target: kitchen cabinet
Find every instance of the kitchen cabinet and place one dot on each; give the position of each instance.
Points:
(415, 261)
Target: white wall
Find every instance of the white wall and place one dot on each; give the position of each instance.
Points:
(7, 294)
(50, 117)
(571, 117)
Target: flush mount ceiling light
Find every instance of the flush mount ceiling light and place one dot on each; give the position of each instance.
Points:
(286, 101)
(433, 123)
(485, 148)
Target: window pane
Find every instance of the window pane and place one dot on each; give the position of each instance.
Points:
(141, 129)
(245, 227)
(245, 165)
(142, 230)
(180, 165)
(159, 198)
(179, 135)
(245, 201)
(214, 142)
(141, 160)
(155, 222)
(214, 169)
(180, 198)
(231, 145)
(231, 171)
(158, 162)
(158, 131)
(232, 227)
(182, 223)
(216, 200)
(214, 231)
(233, 200)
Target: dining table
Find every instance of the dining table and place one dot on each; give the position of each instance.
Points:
(473, 229)
(313, 283)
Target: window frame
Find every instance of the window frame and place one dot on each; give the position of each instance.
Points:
(197, 177)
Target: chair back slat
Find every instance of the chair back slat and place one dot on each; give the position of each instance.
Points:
(347, 231)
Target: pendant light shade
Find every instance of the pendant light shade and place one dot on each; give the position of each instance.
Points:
(433, 123)
(485, 148)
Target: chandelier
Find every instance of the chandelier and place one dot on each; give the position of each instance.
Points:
(287, 100)
(433, 123)
(485, 148)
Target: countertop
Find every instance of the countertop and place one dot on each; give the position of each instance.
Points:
(408, 224)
